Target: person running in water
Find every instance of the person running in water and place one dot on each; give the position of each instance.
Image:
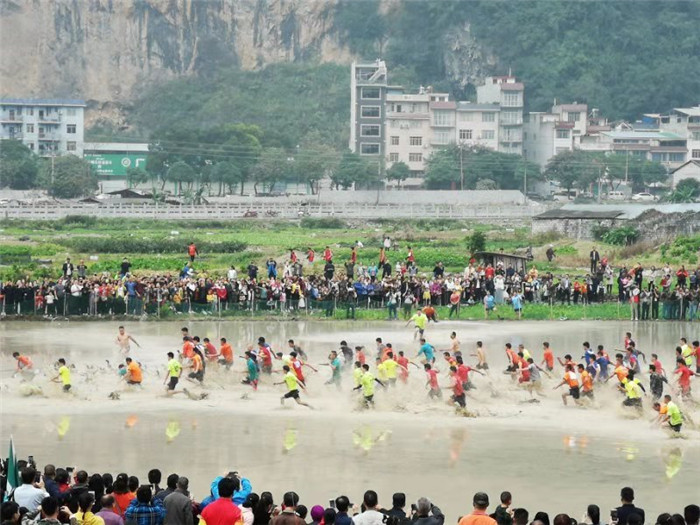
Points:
(124, 341)
(367, 385)
(480, 354)
(293, 384)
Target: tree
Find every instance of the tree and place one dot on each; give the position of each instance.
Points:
(442, 169)
(574, 169)
(687, 190)
(476, 242)
(181, 172)
(399, 172)
(312, 165)
(68, 177)
(353, 169)
(18, 165)
(136, 176)
(272, 167)
(227, 174)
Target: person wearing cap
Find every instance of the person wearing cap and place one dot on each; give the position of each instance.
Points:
(479, 515)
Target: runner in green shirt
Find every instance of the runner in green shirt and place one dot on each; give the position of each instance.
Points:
(174, 373)
(367, 386)
(673, 416)
(293, 384)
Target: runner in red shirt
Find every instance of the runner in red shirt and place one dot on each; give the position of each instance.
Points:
(432, 382)
(403, 362)
(266, 355)
(210, 350)
(293, 256)
(458, 396)
(192, 251)
(683, 373)
(360, 355)
(310, 255)
(463, 373)
(327, 254)
(410, 258)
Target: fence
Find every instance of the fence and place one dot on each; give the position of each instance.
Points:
(366, 307)
(268, 211)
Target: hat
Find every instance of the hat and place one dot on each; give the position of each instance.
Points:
(317, 513)
(481, 499)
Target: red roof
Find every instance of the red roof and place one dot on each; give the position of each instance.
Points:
(565, 125)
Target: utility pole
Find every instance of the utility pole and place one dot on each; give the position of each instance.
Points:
(461, 166)
(526, 180)
(627, 165)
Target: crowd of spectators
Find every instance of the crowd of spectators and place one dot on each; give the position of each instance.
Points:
(60, 496)
(662, 293)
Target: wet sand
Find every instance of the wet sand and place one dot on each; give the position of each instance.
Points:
(551, 457)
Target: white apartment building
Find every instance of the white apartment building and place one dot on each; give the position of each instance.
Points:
(408, 129)
(547, 134)
(387, 122)
(508, 93)
(664, 147)
(46, 126)
(684, 122)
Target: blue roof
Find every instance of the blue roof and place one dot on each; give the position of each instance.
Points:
(42, 101)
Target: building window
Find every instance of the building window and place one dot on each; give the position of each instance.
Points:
(371, 93)
(393, 157)
(416, 141)
(443, 118)
(488, 134)
(394, 141)
(467, 116)
(511, 117)
(465, 134)
(30, 112)
(696, 154)
(30, 128)
(369, 149)
(70, 112)
(70, 145)
(695, 135)
(676, 157)
(414, 124)
(488, 117)
(30, 145)
(415, 157)
(511, 99)
(369, 130)
(562, 133)
(396, 107)
(574, 116)
(442, 138)
(70, 128)
(370, 111)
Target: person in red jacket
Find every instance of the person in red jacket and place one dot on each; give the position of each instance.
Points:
(310, 255)
(223, 511)
(192, 251)
(327, 254)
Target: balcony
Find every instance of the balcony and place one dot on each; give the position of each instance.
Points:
(16, 136)
(48, 137)
(11, 119)
(515, 122)
(49, 119)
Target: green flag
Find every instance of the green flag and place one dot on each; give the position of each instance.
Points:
(12, 474)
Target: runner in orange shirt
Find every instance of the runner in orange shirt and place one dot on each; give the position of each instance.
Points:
(586, 382)
(225, 354)
(197, 368)
(23, 362)
(360, 355)
(187, 347)
(548, 357)
(621, 371)
(571, 379)
(133, 376)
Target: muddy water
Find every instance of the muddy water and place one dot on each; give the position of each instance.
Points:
(550, 457)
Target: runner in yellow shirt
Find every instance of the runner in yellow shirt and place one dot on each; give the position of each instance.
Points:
(357, 374)
(63, 375)
(367, 386)
(174, 373)
(391, 367)
(381, 370)
(293, 384)
(420, 320)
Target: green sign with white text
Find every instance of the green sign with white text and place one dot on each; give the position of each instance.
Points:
(115, 164)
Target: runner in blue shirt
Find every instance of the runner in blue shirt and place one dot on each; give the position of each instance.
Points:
(427, 350)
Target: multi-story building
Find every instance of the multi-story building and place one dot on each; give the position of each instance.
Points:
(547, 134)
(684, 122)
(46, 126)
(389, 123)
(408, 130)
(655, 145)
(368, 90)
(509, 95)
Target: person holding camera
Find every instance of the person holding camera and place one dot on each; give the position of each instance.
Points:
(30, 493)
(425, 513)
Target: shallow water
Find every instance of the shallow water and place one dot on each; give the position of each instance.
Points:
(550, 457)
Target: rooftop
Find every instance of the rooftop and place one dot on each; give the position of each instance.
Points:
(516, 86)
(443, 105)
(89, 147)
(691, 112)
(41, 102)
(687, 163)
(644, 135)
(613, 211)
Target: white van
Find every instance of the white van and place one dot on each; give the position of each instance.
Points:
(616, 195)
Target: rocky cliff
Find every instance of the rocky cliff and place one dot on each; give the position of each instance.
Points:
(105, 50)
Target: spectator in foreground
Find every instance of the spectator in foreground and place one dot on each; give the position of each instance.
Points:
(427, 513)
(479, 515)
(145, 509)
(628, 508)
(223, 511)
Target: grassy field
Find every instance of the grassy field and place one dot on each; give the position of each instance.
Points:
(39, 248)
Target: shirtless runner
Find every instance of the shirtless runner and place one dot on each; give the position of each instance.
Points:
(124, 341)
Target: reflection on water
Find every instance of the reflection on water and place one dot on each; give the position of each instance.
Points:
(322, 460)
